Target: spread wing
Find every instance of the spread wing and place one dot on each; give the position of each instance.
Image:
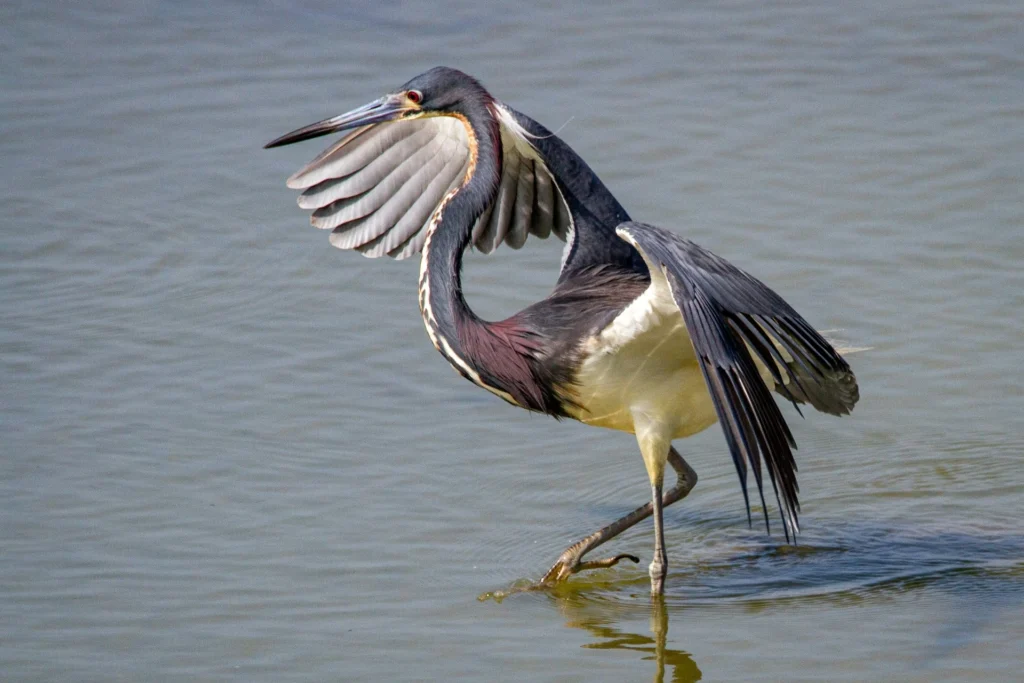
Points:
(738, 326)
(377, 188)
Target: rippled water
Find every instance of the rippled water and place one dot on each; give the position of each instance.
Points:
(228, 452)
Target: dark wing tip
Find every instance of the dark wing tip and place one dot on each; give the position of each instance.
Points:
(754, 428)
(753, 425)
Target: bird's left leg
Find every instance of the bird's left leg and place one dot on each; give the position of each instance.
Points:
(570, 561)
(655, 446)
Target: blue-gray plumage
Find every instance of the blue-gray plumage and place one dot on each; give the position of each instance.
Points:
(645, 331)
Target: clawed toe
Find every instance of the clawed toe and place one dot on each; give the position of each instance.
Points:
(567, 566)
(606, 562)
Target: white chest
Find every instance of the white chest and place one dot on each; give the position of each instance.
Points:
(643, 362)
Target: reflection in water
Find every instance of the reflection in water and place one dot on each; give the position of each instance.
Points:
(591, 616)
(844, 565)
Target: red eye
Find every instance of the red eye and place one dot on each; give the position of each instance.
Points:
(415, 96)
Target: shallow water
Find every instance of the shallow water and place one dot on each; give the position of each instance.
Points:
(229, 453)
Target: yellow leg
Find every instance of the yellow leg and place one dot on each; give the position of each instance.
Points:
(570, 561)
(659, 565)
(655, 444)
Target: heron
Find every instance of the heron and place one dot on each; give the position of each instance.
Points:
(644, 332)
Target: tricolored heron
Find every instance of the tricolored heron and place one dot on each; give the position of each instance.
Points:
(645, 331)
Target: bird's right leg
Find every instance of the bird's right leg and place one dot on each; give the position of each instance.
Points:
(570, 561)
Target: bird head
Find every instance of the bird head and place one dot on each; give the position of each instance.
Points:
(442, 91)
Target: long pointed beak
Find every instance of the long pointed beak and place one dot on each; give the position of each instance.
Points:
(387, 108)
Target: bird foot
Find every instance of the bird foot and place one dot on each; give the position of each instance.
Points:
(569, 563)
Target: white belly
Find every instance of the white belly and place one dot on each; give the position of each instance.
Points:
(643, 362)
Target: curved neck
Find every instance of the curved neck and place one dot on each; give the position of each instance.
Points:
(451, 226)
(451, 325)
(500, 356)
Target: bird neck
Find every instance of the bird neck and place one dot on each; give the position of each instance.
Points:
(451, 226)
(495, 356)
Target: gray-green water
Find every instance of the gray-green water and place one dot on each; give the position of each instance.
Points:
(228, 451)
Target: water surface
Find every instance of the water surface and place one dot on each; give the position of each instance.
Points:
(228, 452)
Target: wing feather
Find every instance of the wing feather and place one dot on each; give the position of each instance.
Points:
(366, 178)
(563, 219)
(519, 229)
(484, 230)
(543, 206)
(411, 220)
(413, 243)
(398, 207)
(416, 172)
(377, 187)
(350, 154)
(504, 204)
(736, 323)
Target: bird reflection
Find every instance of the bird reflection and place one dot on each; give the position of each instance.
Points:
(579, 612)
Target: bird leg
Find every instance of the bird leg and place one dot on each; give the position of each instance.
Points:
(659, 565)
(570, 561)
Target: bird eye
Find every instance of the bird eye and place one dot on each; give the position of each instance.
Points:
(415, 96)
